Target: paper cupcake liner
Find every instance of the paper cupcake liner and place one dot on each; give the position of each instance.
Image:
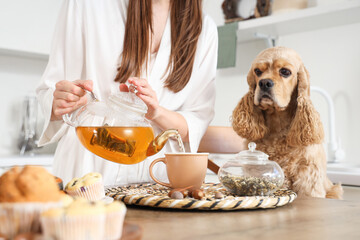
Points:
(114, 224)
(93, 192)
(74, 227)
(18, 218)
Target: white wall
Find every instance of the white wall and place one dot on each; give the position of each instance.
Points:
(24, 26)
(331, 55)
(27, 25)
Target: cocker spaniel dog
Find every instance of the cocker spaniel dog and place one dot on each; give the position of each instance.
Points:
(277, 114)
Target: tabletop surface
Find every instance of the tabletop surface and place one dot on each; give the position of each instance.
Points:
(305, 218)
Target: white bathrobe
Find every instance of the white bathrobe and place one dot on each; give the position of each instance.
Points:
(87, 44)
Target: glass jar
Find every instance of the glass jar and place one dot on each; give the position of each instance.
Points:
(251, 173)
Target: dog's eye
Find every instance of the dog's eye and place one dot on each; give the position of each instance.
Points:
(258, 72)
(285, 72)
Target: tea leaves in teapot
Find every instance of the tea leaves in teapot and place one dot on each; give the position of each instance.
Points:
(109, 141)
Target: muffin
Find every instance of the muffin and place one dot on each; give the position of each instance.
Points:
(24, 194)
(89, 186)
(66, 199)
(115, 214)
(81, 220)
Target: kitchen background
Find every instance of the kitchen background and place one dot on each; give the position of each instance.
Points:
(331, 53)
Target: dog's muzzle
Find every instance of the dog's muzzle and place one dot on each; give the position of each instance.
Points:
(265, 95)
(266, 85)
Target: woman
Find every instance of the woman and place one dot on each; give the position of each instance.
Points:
(166, 49)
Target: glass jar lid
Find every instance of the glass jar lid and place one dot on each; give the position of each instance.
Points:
(130, 101)
(252, 153)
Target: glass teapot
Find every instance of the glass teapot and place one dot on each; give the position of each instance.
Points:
(117, 130)
(250, 173)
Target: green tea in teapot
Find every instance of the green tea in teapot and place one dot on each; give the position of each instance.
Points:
(126, 145)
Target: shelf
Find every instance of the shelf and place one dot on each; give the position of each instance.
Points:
(304, 20)
(17, 160)
(20, 53)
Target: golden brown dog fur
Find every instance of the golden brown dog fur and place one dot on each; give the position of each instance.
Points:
(285, 124)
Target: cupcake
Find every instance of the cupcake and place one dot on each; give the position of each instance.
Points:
(89, 186)
(115, 214)
(81, 220)
(24, 194)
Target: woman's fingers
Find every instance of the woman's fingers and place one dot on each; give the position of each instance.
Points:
(147, 94)
(84, 84)
(142, 86)
(69, 87)
(149, 101)
(76, 87)
(146, 91)
(61, 111)
(123, 87)
(138, 82)
(68, 96)
(61, 107)
(60, 103)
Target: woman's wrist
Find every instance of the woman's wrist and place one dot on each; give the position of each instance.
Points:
(54, 117)
(156, 115)
(166, 119)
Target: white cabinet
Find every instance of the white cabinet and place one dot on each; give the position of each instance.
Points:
(26, 27)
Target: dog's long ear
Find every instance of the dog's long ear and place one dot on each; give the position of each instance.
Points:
(248, 120)
(306, 127)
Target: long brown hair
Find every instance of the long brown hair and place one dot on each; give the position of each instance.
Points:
(186, 25)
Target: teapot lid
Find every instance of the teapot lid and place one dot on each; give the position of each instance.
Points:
(252, 153)
(130, 101)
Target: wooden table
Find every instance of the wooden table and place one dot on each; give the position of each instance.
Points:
(305, 218)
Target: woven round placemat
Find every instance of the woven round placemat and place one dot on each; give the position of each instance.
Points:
(155, 195)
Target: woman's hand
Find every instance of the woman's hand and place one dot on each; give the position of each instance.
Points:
(163, 118)
(69, 96)
(146, 93)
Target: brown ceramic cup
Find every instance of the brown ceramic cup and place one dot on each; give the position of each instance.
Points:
(183, 169)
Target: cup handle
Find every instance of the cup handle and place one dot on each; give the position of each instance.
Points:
(152, 175)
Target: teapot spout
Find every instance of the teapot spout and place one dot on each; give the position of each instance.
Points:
(158, 143)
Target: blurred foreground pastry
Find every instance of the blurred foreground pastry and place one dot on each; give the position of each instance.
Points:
(115, 214)
(84, 220)
(28, 184)
(81, 220)
(24, 194)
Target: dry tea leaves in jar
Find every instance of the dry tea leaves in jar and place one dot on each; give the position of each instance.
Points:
(251, 173)
(250, 186)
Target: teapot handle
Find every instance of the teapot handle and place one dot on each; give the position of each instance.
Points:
(68, 117)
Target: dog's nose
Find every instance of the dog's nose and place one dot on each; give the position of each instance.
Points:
(266, 84)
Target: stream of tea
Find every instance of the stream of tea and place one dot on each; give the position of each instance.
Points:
(126, 145)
